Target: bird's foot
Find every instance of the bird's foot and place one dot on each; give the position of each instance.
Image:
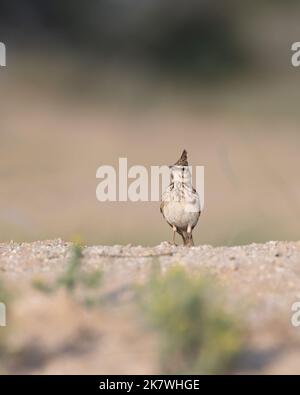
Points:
(171, 243)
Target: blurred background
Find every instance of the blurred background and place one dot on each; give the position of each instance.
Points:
(89, 82)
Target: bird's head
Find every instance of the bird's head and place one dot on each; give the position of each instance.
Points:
(180, 171)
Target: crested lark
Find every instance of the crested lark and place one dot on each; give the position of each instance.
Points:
(180, 204)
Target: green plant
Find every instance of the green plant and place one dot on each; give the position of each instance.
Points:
(197, 335)
(74, 278)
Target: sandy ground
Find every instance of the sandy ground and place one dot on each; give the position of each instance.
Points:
(56, 334)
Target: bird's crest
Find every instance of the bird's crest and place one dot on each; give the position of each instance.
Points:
(182, 161)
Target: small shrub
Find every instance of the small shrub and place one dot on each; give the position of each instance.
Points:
(74, 278)
(197, 335)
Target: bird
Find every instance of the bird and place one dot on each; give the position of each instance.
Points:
(180, 203)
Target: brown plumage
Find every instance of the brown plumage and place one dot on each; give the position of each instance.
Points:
(182, 161)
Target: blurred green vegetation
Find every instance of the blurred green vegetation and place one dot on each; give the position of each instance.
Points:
(198, 336)
(204, 38)
(78, 283)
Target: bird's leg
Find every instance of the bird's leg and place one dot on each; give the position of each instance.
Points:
(174, 234)
(190, 241)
